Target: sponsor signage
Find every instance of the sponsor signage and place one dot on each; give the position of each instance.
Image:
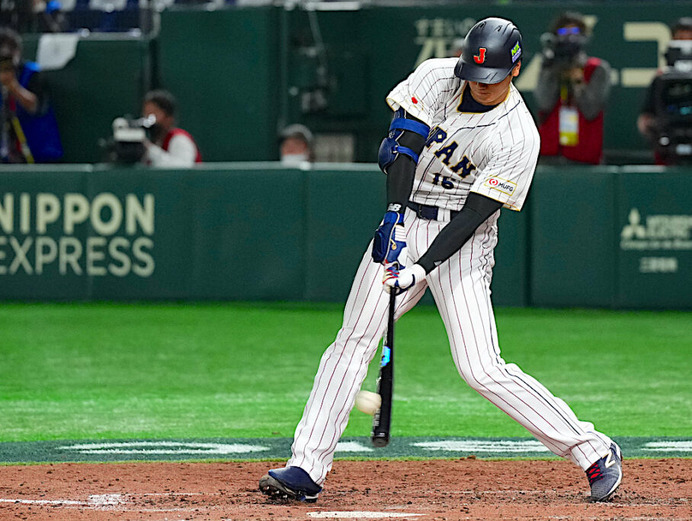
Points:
(654, 240)
(104, 234)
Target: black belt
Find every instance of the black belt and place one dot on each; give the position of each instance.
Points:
(428, 212)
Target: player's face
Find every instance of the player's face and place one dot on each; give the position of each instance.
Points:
(493, 93)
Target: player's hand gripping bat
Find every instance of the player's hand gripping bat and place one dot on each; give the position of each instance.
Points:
(382, 419)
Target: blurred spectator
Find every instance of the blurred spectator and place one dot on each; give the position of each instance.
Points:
(654, 120)
(28, 128)
(571, 94)
(295, 145)
(48, 16)
(17, 14)
(27, 16)
(169, 146)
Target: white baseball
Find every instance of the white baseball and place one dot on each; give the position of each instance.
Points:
(368, 402)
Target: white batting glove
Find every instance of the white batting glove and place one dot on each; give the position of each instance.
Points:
(400, 281)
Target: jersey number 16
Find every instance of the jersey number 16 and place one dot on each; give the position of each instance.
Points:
(443, 181)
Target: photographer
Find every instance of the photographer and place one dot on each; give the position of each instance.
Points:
(28, 128)
(655, 122)
(168, 145)
(571, 93)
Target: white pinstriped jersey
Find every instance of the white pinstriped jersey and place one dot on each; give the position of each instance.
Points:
(492, 153)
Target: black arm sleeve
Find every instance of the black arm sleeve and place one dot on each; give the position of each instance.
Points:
(460, 229)
(401, 172)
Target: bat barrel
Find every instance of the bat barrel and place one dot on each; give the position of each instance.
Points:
(385, 384)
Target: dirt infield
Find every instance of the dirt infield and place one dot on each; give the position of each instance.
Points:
(414, 490)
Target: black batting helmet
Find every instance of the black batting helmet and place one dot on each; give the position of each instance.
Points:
(491, 49)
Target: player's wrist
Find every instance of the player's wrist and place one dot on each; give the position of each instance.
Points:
(393, 216)
(426, 264)
(396, 208)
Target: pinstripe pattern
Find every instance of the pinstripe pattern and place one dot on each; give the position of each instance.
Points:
(501, 144)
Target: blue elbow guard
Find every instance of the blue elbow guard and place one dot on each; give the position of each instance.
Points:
(390, 147)
(418, 127)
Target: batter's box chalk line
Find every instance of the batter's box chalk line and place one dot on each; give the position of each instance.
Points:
(122, 502)
(93, 501)
(361, 515)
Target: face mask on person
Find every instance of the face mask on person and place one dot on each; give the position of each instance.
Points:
(293, 159)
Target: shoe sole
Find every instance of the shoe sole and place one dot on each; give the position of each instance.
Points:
(272, 487)
(611, 492)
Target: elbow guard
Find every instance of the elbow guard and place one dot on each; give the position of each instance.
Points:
(406, 136)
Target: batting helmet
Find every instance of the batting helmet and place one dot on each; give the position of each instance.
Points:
(491, 49)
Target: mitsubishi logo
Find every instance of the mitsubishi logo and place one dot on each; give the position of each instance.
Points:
(634, 228)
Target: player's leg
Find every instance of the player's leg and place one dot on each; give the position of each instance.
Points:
(461, 290)
(343, 368)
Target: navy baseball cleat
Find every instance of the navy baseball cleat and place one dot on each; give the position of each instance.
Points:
(605, 475)
(290, 483)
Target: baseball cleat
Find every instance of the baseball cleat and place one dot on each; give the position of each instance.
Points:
(605, 475)
(290, 483)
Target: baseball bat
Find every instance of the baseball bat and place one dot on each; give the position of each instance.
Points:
(385, 382)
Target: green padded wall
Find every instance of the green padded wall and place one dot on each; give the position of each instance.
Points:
(654, 239)
(591, 237)
(223, 66)
(106, 79)
(573, 259)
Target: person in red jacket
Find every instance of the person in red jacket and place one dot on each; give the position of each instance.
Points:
(572, 92)
(169, 146)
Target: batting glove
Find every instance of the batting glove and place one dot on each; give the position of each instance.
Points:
(390, 238)
(399, 280)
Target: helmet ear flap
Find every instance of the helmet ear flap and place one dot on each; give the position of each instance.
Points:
(457, 68)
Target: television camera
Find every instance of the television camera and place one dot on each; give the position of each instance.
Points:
(673, 104)
(129, 135)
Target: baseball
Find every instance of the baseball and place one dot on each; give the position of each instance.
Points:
(368, 402)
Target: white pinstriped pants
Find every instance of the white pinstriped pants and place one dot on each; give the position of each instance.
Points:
(461, 289)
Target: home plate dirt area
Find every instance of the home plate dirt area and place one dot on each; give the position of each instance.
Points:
(449, 490)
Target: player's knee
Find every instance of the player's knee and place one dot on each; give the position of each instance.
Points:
(477, 382)
(483, 378)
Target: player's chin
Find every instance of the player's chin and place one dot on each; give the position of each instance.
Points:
(480, 92)
(487, 96)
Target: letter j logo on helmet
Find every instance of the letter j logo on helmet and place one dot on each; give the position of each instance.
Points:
(480, 57)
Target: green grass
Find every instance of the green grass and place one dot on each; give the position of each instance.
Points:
(104, 370)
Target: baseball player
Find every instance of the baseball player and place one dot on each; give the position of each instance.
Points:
(461, 145)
